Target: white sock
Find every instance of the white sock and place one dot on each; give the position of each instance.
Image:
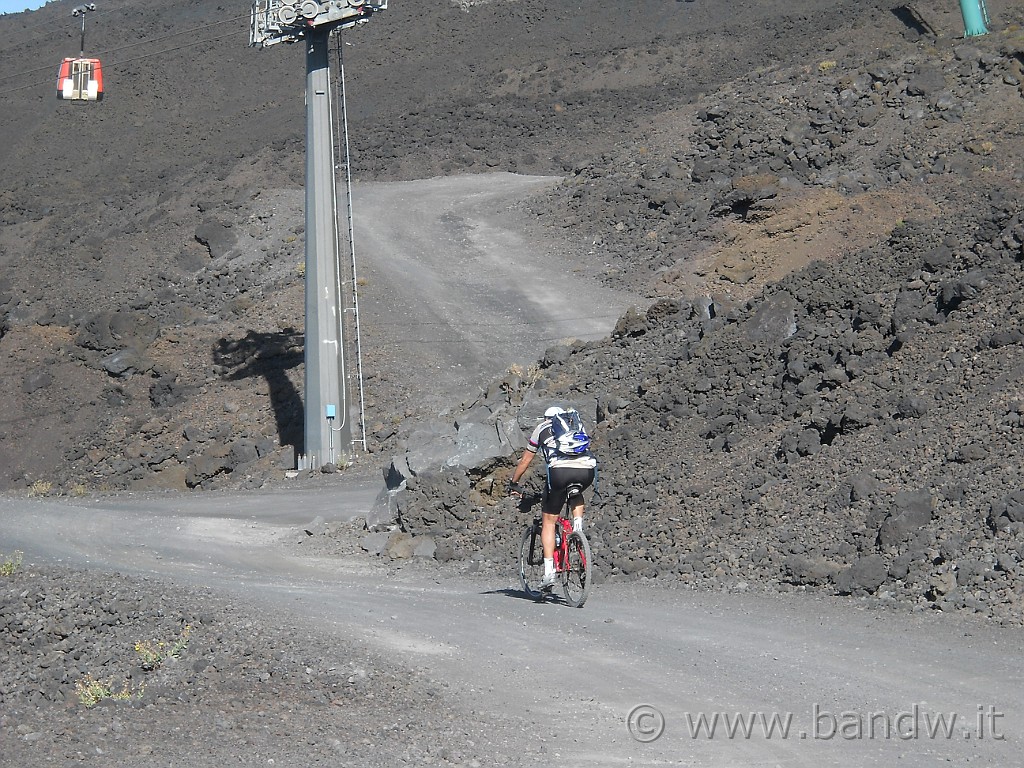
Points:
(577, 523)
(549, 566)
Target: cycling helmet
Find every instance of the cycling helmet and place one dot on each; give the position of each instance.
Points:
(574, 444)
(553, 411)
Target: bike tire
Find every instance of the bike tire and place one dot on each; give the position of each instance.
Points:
(531, 563)
(577, 576)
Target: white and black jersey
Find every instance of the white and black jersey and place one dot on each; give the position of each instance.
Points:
(543, 442)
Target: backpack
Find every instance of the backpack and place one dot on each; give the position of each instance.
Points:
(570, 436)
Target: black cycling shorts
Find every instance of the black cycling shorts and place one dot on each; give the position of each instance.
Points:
(556, 491)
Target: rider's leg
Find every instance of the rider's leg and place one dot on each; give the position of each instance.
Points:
(577, 515)
(547, 536)
(547, 541)
(555, 492)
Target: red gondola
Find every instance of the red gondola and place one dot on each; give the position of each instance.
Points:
(80, 80)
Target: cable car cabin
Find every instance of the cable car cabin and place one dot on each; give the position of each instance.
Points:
(80, 80)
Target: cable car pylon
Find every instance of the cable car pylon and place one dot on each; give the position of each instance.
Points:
(80, 79)
(327, 435)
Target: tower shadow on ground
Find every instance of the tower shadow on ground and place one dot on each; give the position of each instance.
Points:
(269, 355)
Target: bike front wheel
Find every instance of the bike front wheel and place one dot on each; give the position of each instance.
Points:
(531, 563)
(576, 577)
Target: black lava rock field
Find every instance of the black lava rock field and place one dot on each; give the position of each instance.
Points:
(824, 393)
(821, 201)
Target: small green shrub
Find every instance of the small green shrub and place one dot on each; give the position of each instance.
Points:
(528, 375)
(92, 691)
(40, 488)
(9, 565)
(154, 653)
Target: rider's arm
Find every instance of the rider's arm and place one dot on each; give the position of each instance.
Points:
(532, 446)
(523, 465)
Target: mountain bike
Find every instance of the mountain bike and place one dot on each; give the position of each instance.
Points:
(573, 564)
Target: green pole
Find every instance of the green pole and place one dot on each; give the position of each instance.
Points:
(975, 14)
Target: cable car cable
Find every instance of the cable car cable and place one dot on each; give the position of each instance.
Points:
(108, 67)
(46, 24)
(49, 25)
(168, 50)
(104, 54)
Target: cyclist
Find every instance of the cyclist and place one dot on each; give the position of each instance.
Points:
(562, 472)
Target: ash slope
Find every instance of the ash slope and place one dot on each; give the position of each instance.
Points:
(150, 295)
(827, 394)
(853, 426)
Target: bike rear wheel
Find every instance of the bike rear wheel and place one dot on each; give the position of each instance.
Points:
(531, 562)
(576, 578)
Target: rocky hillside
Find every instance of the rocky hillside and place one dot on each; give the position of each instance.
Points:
(820, 200)
(150, 295)
(854, 425)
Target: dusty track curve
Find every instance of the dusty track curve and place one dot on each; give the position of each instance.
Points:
(834, 674)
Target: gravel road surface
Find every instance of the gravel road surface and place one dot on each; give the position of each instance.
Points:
(851, 686)
(455, 293)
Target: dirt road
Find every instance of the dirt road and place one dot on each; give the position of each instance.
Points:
(645, 673)
(452, 294)
(834, 684)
